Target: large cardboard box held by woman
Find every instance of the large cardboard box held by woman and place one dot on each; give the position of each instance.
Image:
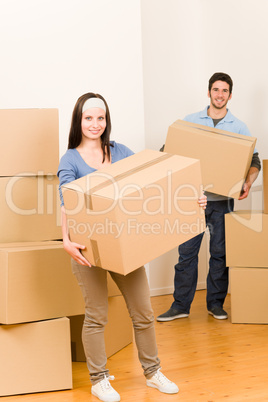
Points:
(135, 210)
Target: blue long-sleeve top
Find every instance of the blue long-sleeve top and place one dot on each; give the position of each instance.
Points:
(72, 166)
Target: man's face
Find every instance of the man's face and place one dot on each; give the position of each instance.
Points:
(219, 94)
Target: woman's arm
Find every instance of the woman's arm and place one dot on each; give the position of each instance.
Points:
(72, 248)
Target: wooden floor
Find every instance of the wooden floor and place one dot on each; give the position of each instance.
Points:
(210, 360)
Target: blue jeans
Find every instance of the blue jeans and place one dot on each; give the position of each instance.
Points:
(186, 270)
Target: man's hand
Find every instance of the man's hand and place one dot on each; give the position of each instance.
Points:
(251, 177)
(245, 191)
(202, 201)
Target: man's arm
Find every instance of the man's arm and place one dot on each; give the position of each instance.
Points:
(251, 176)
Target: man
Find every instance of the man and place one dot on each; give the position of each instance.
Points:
(215, 115)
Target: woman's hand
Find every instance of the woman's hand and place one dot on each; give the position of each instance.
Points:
(202, 201)
(74, 249)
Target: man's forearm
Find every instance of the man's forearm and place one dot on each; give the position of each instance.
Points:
(252, 175)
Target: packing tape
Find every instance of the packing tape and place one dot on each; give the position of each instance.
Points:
(96, 254)
(117, 178)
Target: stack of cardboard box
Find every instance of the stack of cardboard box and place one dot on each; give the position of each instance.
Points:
(34, 342)
(246, 253)
(37, 288)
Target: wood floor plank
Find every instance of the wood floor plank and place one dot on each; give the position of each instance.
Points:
(210, 360)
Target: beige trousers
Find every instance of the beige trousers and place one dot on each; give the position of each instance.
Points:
(135, 290)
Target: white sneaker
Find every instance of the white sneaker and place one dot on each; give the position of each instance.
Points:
(104, 391)
(162, 383)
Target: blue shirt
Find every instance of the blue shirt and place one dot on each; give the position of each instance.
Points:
(228, 123)
(72, 166)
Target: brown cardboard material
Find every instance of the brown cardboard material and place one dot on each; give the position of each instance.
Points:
(265, 185)
(29, 142)
(135, 210)
(249, 295)
(225, 157)
(35, 357)
(37, 283)
(118, 332)
(246, 235)
(29, 209)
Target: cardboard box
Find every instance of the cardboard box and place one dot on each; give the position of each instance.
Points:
(29, 209)
(37, 283)
(118, 332)
(265, 185)
(246, 235)
(35, 357)
(29, 142)
(135, 210)
(225, 157)
(249, 295)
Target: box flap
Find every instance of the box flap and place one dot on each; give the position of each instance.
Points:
(140, 166)
(214, 130)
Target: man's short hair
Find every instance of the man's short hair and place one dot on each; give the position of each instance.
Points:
(220, 77)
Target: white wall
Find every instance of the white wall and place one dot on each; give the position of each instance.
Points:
(53, 51)
(184, 43)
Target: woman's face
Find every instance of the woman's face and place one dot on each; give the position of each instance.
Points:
(93, 123)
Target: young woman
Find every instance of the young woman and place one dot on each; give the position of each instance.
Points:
(90, 149)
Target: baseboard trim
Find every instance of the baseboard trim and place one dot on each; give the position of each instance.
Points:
(170, 289)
